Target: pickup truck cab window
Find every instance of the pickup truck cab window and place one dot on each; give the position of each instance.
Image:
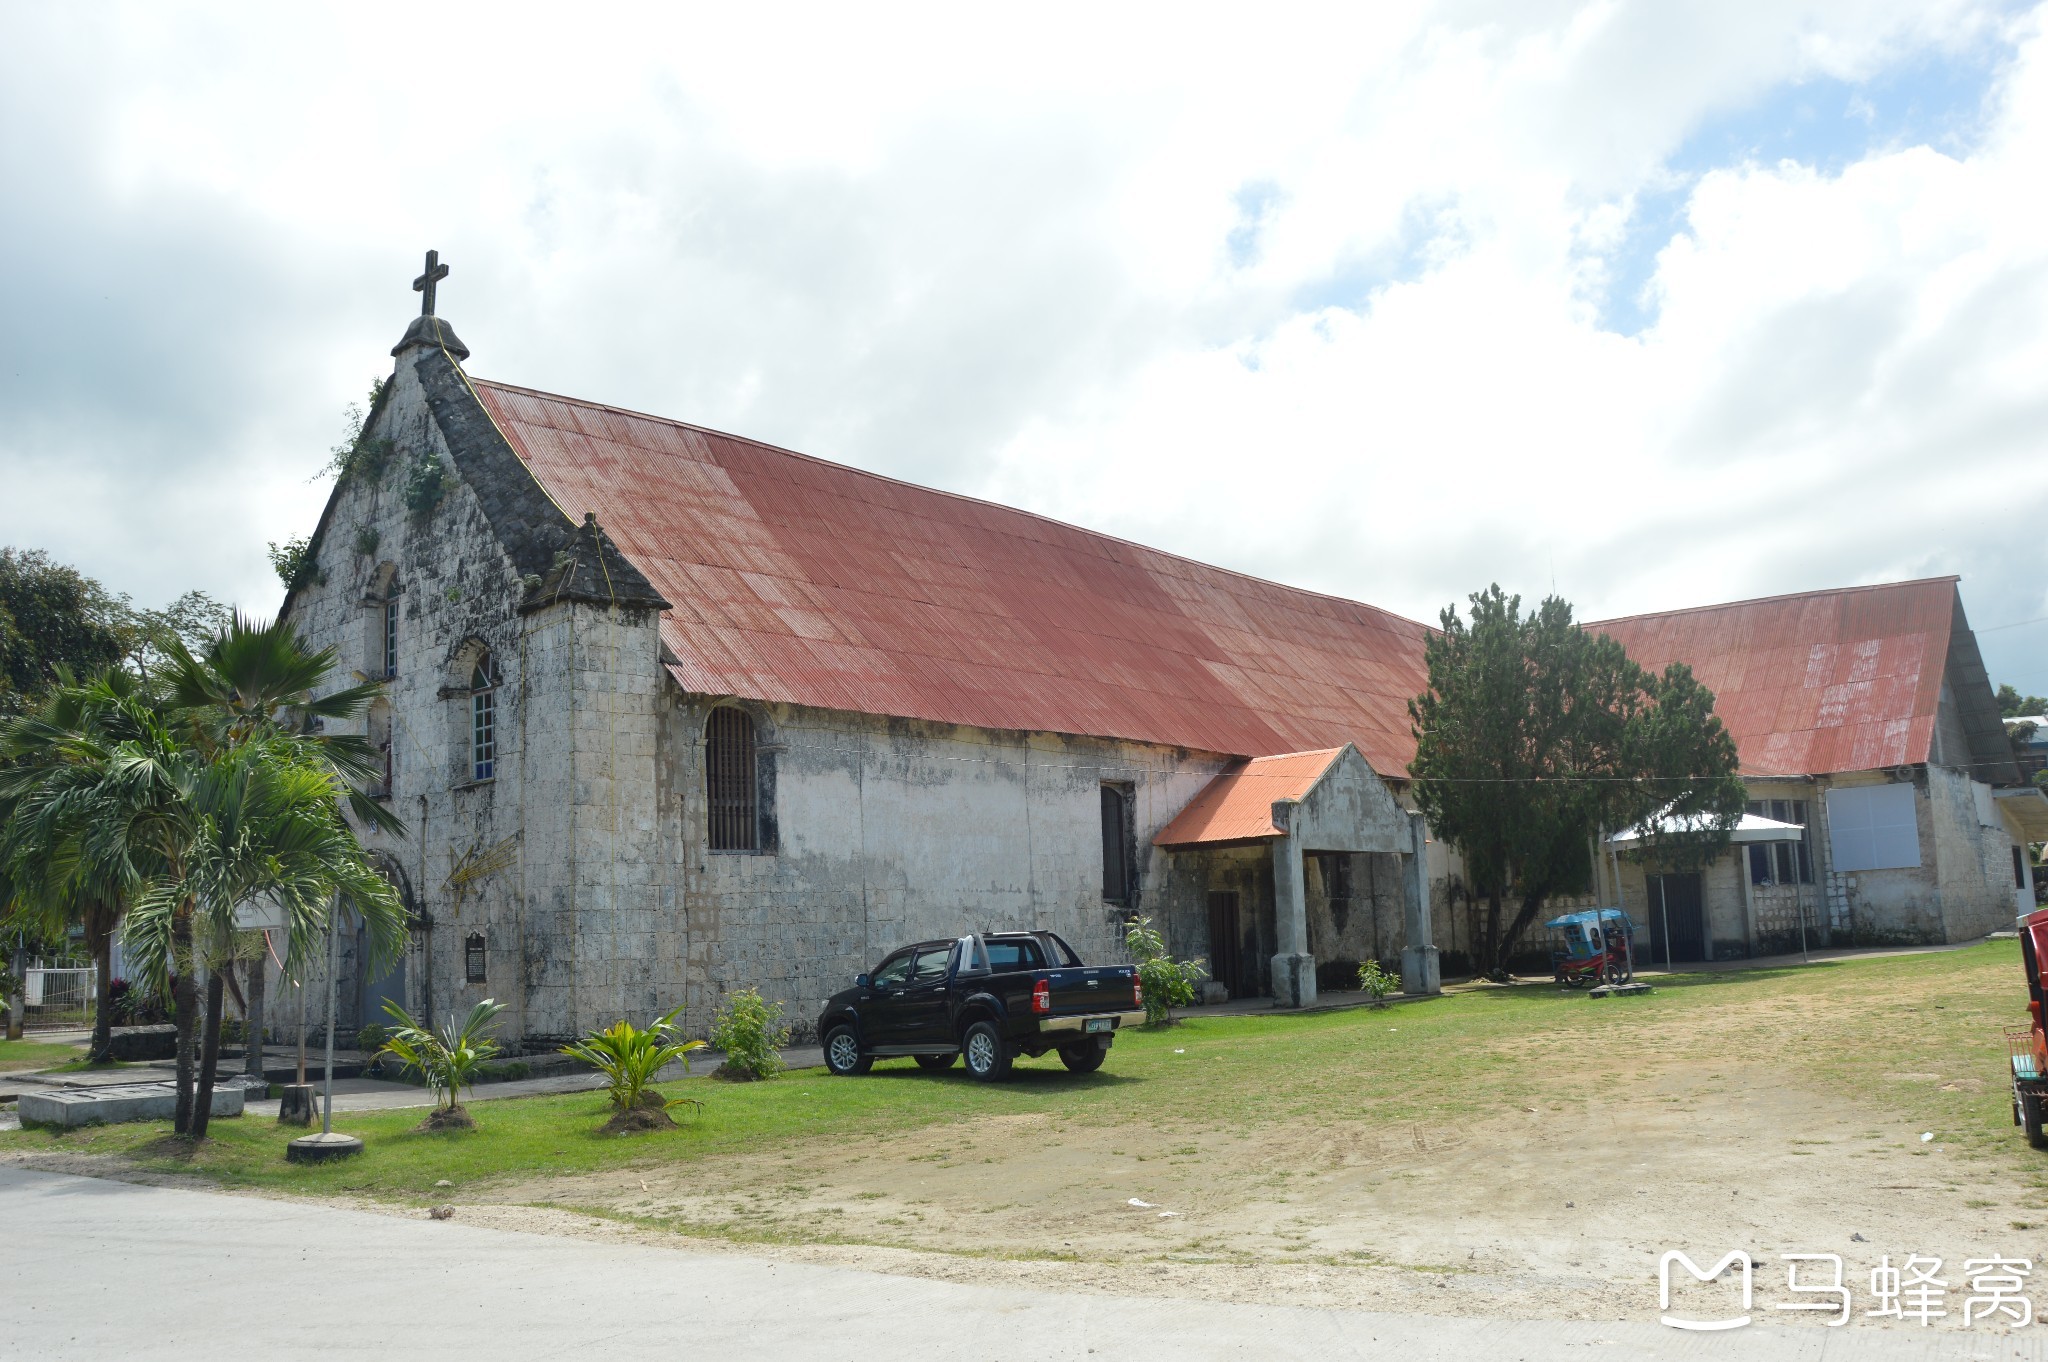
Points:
(931, 964)
(893, 972)
(1007, 957)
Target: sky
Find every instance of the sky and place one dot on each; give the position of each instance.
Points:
(1648, 303)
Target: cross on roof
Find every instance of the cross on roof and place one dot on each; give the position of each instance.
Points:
(424, 285)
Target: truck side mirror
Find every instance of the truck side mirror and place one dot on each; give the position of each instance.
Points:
(863, 981)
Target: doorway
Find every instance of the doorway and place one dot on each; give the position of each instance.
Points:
(1233, 946)
(1678, 928)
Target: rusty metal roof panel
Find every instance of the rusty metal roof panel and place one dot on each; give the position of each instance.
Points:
(817, 584)
(1237, 806)
(1845, 680)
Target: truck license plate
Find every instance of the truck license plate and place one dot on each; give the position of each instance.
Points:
(1101, 1024)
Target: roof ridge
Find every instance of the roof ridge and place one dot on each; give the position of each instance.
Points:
(1952, 578)
(956, 496)
(1305, 752)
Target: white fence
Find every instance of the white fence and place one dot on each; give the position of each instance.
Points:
(58, 998)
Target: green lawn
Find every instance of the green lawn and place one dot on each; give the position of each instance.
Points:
(16, 1055)
(1843, 1027)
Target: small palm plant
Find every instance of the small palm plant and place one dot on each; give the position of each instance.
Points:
(448, 1059)
(629, 1058)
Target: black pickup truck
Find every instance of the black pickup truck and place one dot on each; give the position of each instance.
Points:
(989, 998)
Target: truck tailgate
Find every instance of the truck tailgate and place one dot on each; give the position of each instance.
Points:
(1104, 988)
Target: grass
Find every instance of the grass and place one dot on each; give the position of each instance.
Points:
(36, 1054)
(1850, 1027)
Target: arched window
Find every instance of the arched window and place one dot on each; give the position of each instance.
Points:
(731, 781)
(388, 613)
(473, 959)
(483, 720)
(380, 641)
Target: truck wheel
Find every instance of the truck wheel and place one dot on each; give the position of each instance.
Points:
(988, 1055)
(842, 1053)
(936, 1064)
(1084, 1058)
(2030, 1119)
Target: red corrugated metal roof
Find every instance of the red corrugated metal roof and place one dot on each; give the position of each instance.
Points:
(808, 582)
(1237, 806)
(1844, 680)
(798, 580)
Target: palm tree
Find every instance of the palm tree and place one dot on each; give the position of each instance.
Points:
(188, 804)
(266, 824)
(251, 690)
(87, 746)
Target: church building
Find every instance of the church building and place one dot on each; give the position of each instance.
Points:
(670, 713)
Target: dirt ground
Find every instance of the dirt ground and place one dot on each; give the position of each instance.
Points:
(1702, 1137)
(1558, 1213)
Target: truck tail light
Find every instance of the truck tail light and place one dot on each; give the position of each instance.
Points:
(1137, 991)
(1041, 996)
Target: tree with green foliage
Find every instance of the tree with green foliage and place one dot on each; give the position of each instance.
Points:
(1535, 735)
(53, 618)
(2013, 705)
(205, 790)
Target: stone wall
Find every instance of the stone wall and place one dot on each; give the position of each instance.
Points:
(895, 830)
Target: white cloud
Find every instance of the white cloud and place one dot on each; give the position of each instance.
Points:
(991, 251)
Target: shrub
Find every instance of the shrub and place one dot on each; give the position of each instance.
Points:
(630, 1057)
(448, 1059)
(1168, 983)
(1376, 983)
(749, 1031)
(371, 1038)
(295, 564)
(425, 481)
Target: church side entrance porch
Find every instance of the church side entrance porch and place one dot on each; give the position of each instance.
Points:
(1304, 866)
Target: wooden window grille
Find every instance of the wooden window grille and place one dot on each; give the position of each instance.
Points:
(1116, 845)
(732, 781)
(390, 638)
(483, 722)
(474, 961)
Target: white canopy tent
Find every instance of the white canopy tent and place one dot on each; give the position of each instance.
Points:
(1751, 828)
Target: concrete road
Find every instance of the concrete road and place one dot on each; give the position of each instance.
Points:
(94, 1269)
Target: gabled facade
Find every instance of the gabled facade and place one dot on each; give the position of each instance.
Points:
(1864, 714)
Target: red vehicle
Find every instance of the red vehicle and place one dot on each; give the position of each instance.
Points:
(2029, 1047)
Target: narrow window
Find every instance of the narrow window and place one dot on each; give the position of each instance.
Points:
(390, 639)
(483, 722)
(1116, 848)
(380, 738)
(1759, 864)
(2019, 868)
(473, 963)
(731, 781)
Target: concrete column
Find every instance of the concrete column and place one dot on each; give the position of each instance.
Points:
(1294, 969)
(1421, 972)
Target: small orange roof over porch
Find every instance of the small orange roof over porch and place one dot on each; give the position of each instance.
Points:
(1237, 806)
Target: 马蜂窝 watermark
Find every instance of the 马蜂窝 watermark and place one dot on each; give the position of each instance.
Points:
(1913, 1291)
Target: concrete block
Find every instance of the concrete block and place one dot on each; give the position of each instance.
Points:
(115, 1103)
